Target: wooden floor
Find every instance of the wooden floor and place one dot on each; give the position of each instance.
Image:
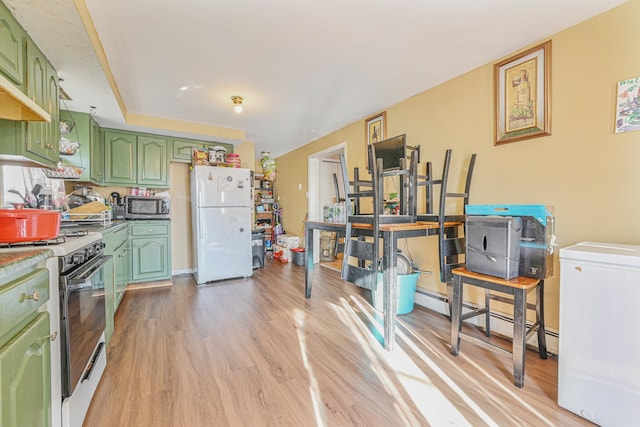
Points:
(254, 352)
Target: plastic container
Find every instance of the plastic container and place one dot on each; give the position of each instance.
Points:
(297, 256)
(258, 248)
(406, 293)
(28, 225)
(234, 159)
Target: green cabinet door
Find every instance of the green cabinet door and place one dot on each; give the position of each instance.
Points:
(153, 164)
(42, 87)
(52, 106)
(11, 48)
(120, 157)
(96, 153)
(150, 251)
(150, 260)
(25, 377)
(37, 138)
(121, 261)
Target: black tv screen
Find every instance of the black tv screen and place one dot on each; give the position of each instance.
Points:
(391, 150)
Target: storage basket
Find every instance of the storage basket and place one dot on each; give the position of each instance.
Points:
(68, 147)
(64, 172)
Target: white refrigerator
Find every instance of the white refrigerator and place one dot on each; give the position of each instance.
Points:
(221, 222)
(599, 354)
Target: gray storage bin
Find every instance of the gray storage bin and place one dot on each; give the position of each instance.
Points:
(493, 245)
(257, 248)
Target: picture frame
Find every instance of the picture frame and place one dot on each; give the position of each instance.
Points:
(628, 106)
(375, 128)
(522, 91)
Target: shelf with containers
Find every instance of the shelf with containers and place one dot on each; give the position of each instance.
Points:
(264, 197)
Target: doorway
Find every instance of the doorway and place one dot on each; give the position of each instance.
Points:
(321, 166)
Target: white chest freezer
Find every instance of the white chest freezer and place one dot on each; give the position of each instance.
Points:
(599, 352)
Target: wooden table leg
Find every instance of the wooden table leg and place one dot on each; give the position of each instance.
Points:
(456, 314)
(308, 262)
(519, 334)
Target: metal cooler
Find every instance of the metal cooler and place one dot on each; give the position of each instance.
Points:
(537, 239)
(493, 245)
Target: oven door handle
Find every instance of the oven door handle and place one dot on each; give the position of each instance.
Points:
(86, 272)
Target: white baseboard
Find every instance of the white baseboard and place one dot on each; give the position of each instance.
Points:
(182, 272)
(501, 323)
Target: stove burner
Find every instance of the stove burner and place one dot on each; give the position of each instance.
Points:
(62, 238)
(55, 241)
(74, 233)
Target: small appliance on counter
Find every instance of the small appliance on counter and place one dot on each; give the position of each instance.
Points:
(117, 206)
(143, 207)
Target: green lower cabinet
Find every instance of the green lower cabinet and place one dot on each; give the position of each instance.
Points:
(150, 251)
(121, 262)
(25, 376)
(116, 272)
(109, 300)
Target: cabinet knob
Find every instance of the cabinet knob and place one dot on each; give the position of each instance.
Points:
(34, 296)
(53, 336)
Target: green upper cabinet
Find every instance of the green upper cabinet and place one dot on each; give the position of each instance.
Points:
(181, 148)
(42, 87)
(34, 141)
(11, 48)
(153, 164)
(135, 159)
(120, 161)
(96, 158)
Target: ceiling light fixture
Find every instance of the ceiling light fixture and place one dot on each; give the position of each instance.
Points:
(237, 102)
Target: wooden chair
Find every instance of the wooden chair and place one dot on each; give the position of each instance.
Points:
(518, 288)
(451, 240)
(366, 252)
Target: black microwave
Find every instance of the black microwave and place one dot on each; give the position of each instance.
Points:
(141, 207)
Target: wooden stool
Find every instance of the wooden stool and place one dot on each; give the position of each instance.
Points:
(519, 287)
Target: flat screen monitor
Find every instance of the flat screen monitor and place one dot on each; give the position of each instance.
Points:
(391, 150)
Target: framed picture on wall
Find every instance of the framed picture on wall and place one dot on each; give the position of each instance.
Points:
(628, 105)
(522, 95)
(375, 128)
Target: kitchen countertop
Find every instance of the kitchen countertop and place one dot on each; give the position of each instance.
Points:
(13, 262)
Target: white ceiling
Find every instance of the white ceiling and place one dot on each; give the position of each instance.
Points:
(304, 68)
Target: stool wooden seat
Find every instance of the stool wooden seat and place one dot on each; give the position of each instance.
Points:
(519, 288)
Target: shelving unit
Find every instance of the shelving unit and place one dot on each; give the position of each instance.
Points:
(264, 199)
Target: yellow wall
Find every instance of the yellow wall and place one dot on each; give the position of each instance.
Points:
(588, 174)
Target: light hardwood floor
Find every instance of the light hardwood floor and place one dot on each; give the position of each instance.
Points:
(254, 352)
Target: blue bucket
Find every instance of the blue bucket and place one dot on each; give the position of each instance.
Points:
(406, 293)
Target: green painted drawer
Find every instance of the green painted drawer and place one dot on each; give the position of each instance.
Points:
(21, 298)
(155, 229)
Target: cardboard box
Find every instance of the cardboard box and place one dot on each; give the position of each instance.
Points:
(493, 245)
(288, 241)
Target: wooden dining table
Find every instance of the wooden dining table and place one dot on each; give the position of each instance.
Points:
(389, 233)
